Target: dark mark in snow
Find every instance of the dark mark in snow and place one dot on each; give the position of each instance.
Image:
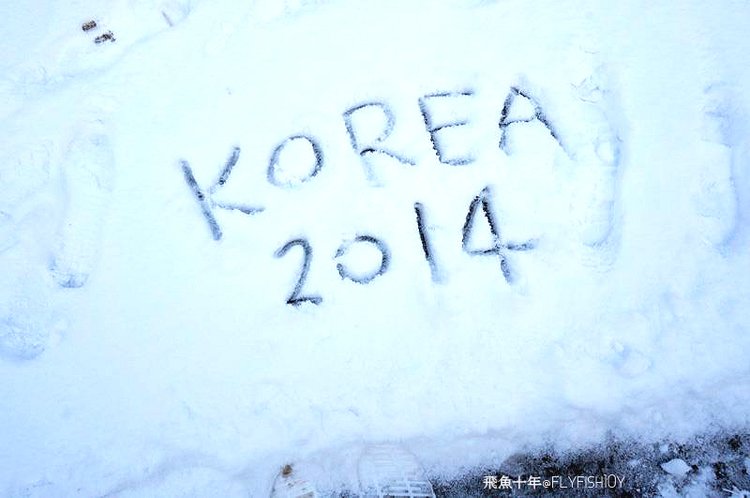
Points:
(385, 259)
(295, 299)
(204, 197)
(365, 150)
(539, 115)
(316, 151)
(434, 129)
(108, 36)
(498, 248)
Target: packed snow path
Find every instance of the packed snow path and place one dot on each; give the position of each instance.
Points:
(235, 236)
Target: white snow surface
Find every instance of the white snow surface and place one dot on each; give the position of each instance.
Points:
(141, 356)
(677, 467)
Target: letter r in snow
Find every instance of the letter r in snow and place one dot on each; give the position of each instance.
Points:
(204, 196)
(375, 143)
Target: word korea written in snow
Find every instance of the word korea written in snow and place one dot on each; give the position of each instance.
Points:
(435, 132)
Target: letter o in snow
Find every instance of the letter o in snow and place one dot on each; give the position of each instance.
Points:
(295, 161)
(366, 278)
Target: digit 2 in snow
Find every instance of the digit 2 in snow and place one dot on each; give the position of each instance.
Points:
(365, 149)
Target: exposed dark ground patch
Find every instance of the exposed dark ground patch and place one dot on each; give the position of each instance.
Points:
(719, 467)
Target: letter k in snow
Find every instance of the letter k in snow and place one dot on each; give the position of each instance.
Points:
(205, 199)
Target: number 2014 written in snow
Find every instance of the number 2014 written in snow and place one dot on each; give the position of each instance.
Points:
(498, 249)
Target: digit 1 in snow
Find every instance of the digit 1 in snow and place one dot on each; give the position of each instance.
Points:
(497, 248)
(426, 243)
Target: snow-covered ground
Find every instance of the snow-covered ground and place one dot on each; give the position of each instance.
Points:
(243, 234)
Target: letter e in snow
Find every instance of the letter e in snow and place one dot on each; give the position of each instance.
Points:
(435, 129)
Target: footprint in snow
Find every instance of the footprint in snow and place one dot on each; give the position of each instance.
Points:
(582, 117)
(54, 206)
(88, 177)
(718, 200)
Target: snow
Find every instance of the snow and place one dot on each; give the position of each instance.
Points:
(677, 467)
(145, 353)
